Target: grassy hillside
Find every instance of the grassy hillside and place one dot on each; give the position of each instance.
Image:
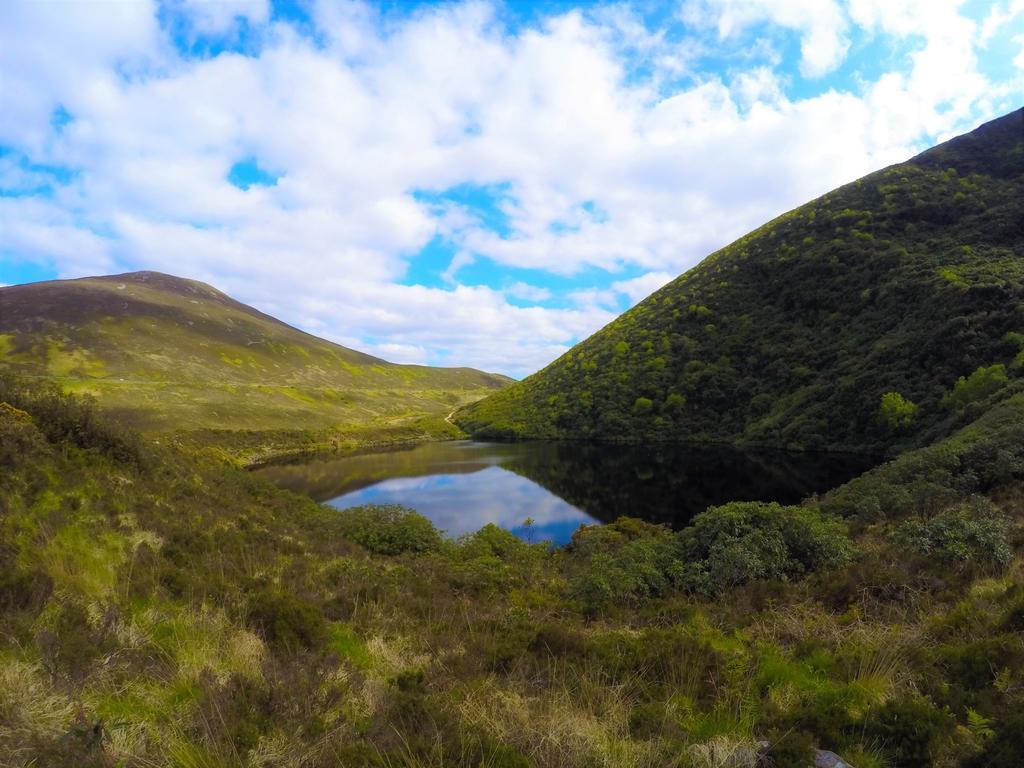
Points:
(160, 607)
(166, 353)
(901, 282)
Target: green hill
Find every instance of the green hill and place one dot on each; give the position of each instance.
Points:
(901, 282)
(166, 353)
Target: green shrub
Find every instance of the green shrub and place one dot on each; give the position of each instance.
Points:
(624, 563)
(749, 541)
(643, 405)
(972, 533)
(492, 541)
(1005, 747)
(979, 385)
(790, 749)
(18, 436)
(287, 621)
(896, 412)
(911, 731)
(65, 418)
(639, 571)
(492, 559)
(388, 529)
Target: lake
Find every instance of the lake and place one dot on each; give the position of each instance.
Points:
(463, 485)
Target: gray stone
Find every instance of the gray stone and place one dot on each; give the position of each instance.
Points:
(825, 759)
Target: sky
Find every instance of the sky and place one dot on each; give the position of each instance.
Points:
(460, 183)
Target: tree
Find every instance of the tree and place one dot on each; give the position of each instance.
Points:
(896, 412)
(979, 385)
(643, 405)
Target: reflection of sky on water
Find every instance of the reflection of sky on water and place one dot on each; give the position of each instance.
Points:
(463, 503)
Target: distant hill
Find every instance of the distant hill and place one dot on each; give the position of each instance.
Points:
(901, 282)
(169, 353)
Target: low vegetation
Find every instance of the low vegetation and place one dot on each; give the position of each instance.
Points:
(159, 606)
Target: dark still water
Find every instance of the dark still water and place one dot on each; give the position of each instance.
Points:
(461, 486)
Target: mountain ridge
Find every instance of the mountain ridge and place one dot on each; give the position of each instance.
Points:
(901, 281)
(168, 352)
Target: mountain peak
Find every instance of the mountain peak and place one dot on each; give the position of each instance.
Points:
(178, 353)
(995, 148)
(160, 281)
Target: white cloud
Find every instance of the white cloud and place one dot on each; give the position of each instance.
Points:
(528, 292)
(219, 17)
(821, 24)
(943, 86)
(597, 166)
(999, 16)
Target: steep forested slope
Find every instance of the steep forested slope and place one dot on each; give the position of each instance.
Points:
(900, 282)
(173, 353)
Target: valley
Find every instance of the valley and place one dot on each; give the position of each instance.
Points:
(776, 513)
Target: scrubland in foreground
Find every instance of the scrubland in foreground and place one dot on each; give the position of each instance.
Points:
(162, 607)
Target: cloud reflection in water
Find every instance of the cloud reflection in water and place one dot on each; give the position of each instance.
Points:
(463, 503)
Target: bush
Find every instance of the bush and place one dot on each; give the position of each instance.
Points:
(1005, 747)
(287, 621)
(492, 559)
(790, 748)
(624, 563)
(973, 532)
(643, 405)
(64, 418)
(979, 385)
(749, 541)
(911, 731)
(388, 529)
(896, 412)
(18, 436)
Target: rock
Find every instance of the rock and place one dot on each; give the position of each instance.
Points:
(825, 759)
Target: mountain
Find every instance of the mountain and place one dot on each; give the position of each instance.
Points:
(168, 353)
(901, 282)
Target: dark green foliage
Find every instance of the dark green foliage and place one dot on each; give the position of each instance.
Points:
(628, 576)
(388, 529)
(61, 418)
(983, 456)
(790, 749)
(286, 621)
(1005, 748)
(911, 731)
(622, 564)
(973, 534)
(72, 643)
(752, 541)
(492, 560)
(903, 282)
(18, 435)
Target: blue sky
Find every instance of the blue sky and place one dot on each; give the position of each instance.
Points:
(460, 183)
